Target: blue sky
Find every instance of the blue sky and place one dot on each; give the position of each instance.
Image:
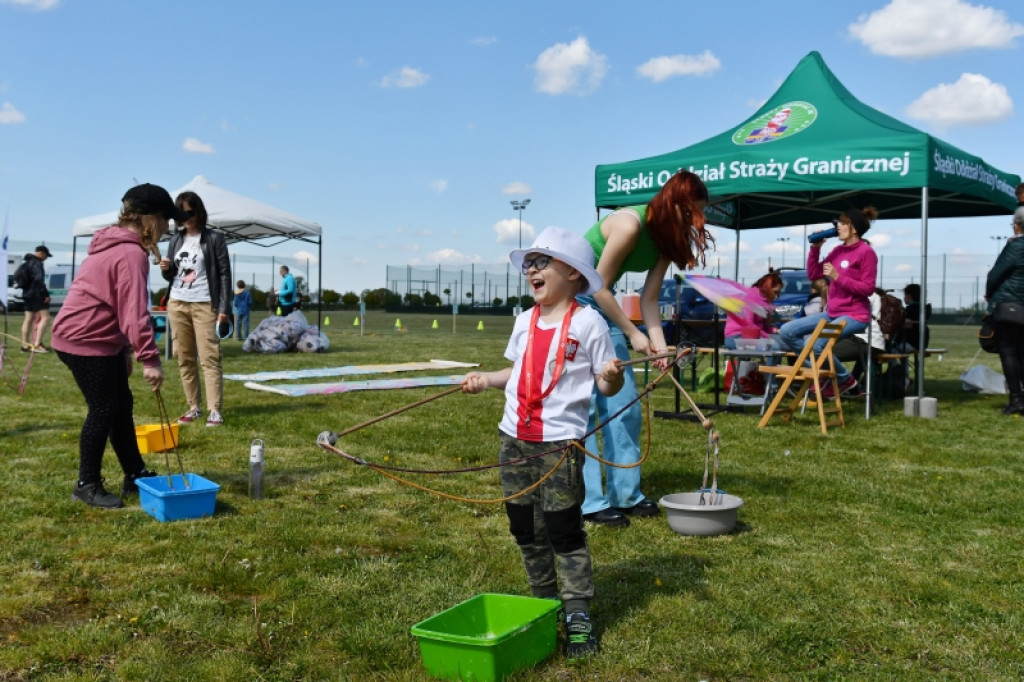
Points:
(406, 128)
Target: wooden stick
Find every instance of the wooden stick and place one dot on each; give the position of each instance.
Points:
(675, 355)
(392, 413)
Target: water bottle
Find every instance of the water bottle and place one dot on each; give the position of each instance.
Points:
(824, 234)
(256, 470)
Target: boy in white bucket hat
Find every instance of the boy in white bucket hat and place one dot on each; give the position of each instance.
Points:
(560, 350)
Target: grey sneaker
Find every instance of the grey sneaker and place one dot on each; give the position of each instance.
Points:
(193, 414)
(130, 487)
(580, 638)
(214, 419)
(95, 495)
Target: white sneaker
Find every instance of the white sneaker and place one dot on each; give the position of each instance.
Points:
(192, 415)
(214, 419)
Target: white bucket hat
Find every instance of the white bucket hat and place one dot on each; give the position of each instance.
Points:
(568, 247)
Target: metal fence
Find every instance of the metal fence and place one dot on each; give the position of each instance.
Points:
(257, 270)
(956, 282)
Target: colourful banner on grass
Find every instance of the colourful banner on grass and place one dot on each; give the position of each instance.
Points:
(350, 370)
(298, 390)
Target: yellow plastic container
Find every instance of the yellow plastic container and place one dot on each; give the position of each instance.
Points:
(156, 437)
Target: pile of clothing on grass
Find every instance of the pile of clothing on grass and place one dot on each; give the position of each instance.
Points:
(282, 334)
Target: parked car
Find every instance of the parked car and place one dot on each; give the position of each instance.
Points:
(678, 300)
(58, 281)
(795, 292)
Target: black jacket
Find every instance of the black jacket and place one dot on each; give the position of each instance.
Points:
(37, 278)
(218, 266)
(1005, 281)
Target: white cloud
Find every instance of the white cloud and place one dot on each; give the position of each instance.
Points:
(438, 186)
(904, 267)
(273, 186)
(972, 100)
(572, 68)
(303, 256)
(225, 126)
(406, 77)
(483, 41)
(446, 257)
(8, 114)
(38, 5)
(508, 232)
(927, 28)
(515, 189)
(663, 68)
(425, 233)
(194, 146)
(879, 240)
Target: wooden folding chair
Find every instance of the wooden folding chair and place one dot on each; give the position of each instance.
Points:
(811, 369)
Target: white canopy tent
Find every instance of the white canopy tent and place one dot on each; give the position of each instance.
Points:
(238, 218)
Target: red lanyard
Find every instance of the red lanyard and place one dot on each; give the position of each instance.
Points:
(563, 340)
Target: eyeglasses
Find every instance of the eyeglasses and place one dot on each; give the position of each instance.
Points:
(539, 262)
(190, 214)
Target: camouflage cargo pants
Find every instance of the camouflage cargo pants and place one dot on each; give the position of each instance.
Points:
(547, 522)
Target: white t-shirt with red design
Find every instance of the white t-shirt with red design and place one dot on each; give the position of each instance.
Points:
(562, 415)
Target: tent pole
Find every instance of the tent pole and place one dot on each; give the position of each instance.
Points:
(319, 280)
(736, 265)
(923, 303)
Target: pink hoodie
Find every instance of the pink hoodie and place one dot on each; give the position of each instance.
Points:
(107, 307)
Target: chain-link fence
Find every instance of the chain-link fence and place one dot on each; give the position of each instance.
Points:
(956, 282)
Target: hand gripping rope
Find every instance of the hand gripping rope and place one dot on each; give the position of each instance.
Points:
(328, 440)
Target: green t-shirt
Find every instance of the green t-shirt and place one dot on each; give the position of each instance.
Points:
(644, 255)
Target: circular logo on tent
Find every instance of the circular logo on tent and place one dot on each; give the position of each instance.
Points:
(782, 121)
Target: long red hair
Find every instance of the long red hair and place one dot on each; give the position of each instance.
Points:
(766, 284)
(676, 224)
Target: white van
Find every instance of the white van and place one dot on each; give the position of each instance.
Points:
(58, 281)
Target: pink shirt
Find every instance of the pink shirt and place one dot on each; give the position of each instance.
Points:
(107, 307)
(847, 294)
(735, 324)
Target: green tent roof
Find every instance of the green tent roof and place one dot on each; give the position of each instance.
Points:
(812, 151)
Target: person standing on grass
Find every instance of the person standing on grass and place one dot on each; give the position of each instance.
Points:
(103, 320)
(243, 306)
(560, 351)
(1005, 285)
(636, 239)
(199, 301)
(851, 269)
(37, 302)
(286, 295)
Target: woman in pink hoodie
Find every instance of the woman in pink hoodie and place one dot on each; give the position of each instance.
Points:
(851, 268)
(104, 318)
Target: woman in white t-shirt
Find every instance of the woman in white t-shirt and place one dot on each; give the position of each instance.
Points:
(198, 300)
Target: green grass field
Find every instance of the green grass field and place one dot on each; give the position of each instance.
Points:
(888, 550)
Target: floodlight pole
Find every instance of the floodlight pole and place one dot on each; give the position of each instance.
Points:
(783, 240)
(519, 207)
(999, 244)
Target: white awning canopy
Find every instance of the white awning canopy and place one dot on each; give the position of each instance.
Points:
(239, 218)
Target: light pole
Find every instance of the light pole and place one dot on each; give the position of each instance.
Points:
(999, 243)
(519, 207)
(783, 240)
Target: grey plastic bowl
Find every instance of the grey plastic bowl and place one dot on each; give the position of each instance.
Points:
(687, 516)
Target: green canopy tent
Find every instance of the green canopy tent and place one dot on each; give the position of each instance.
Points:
(812, 151)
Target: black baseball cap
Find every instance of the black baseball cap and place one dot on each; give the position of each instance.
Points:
(42, 247)
(148, 199)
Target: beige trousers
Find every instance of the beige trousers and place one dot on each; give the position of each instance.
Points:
(194, 337)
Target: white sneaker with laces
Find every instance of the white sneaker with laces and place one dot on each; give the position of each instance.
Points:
(190, 416)
(214, 419)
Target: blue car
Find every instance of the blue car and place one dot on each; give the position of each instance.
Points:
(795, 292)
